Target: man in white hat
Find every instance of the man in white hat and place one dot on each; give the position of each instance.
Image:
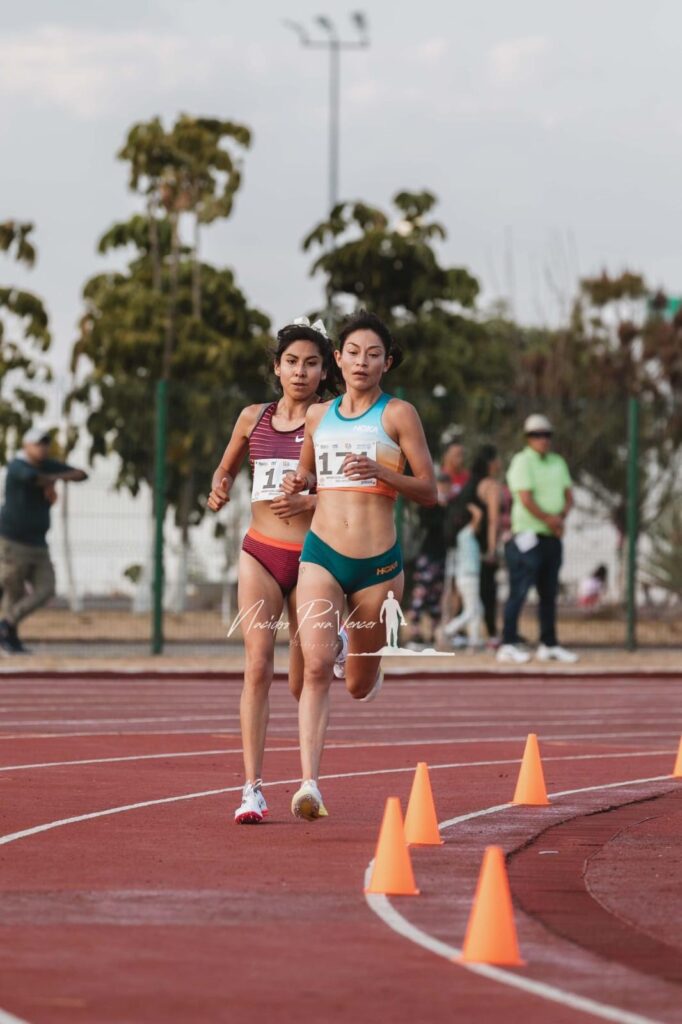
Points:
(24, 522)
(541, 489)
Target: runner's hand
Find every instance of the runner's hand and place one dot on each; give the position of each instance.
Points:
(287, 505)
(360, 467)
(292, 483)
(220, 495)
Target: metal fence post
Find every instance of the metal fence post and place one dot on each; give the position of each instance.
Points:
(160, 425)
(632, 521)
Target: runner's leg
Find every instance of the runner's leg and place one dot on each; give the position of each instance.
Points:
(260, 603)
(367, 634)
(295, 652)
(319, 601)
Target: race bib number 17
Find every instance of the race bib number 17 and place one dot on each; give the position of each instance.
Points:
(267, 477)
(330, 456)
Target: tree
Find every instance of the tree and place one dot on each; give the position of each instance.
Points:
(24, 336)
(617, 344)
(184, 170)
(170, 316)
(388, 263)
(218, 364)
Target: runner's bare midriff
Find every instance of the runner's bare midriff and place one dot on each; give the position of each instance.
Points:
(292, 530)
(354, 524)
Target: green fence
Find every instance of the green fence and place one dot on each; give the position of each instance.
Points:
(108, 544)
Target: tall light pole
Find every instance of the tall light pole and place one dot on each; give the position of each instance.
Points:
(334, 44)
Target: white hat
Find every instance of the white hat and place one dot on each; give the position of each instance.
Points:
(37, 435)
(537, 424)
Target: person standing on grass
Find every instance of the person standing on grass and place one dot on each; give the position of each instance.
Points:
(541, 488)
(26, 573)
(355, 451)
(271, 434)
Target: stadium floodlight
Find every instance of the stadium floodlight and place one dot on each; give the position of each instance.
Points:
(360, 21)
(296, 27)
(327, 24)
(334, 45)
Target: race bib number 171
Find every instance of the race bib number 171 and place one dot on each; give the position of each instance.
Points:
(330, 457)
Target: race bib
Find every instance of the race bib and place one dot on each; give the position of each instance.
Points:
(330, 456)
(267, 477)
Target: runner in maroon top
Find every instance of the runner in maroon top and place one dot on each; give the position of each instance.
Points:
(272, 434)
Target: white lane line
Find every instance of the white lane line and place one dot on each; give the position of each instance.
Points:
(9, 1018)
(338, 746)
(385, 910)
(12, 837)
(282, 703)
(445, 715)
(559, 737)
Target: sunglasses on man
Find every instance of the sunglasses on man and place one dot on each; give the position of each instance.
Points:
(539, 433)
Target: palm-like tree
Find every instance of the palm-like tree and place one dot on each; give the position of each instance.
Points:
(24, 336)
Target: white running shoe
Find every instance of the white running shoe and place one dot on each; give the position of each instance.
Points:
(512, 653)
(253, 807)
(374, 692)
(556, 653)
(340, 660)
(307, 802)
(258, 786)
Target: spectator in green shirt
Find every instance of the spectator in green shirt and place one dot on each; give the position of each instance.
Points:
(24, 522)
(540, 485)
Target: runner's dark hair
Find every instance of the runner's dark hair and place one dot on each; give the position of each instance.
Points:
(287, 335)
(362, 320)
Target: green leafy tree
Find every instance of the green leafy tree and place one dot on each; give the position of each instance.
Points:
(218, 364)
(616, 345)
(388, 263)
(170, 316)
(24, 336)
(186, 170)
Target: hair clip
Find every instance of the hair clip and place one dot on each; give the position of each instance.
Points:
(303, 321)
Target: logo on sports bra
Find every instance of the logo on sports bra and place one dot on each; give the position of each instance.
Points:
(299, 439)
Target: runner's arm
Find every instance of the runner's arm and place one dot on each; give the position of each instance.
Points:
(232, 459)
(421, 486)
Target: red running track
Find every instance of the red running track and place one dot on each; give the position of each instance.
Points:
(151, 906)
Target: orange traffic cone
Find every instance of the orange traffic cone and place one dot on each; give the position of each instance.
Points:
(677, 770)
(421, 823)
(392, 872)
(491, 932)
(530, 786)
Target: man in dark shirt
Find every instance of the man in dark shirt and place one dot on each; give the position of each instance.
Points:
(24, 522)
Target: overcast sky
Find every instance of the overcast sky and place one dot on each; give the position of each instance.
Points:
(552, 134)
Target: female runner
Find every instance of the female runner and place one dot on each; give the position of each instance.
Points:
(355, 450)
(269, 561)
